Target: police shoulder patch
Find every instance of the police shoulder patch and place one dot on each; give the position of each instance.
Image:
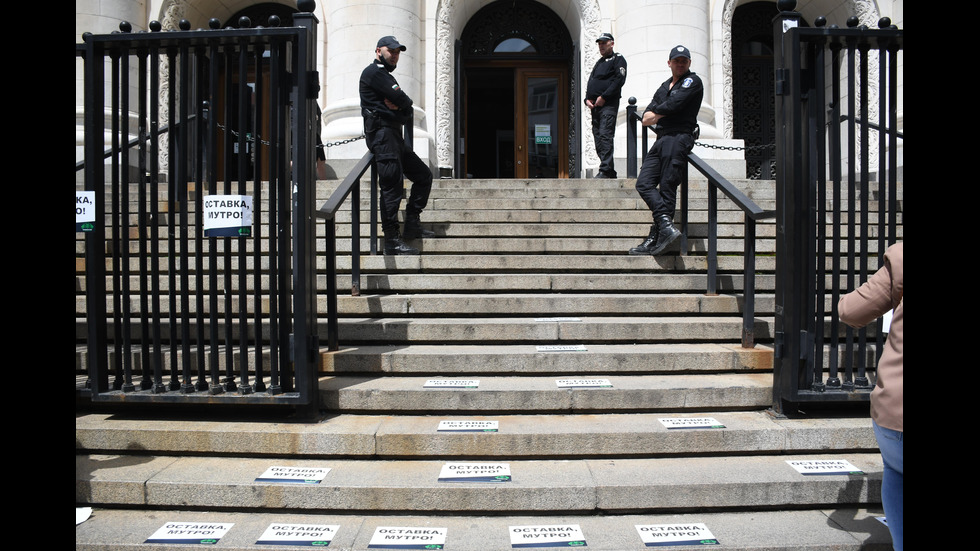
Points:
(687, 82)
(394, 86)
(622, 71)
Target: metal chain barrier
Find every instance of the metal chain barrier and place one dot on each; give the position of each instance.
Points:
(750, 148)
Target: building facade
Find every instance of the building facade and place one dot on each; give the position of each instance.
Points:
(498, 84)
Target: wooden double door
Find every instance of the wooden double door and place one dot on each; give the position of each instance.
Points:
(516, 121)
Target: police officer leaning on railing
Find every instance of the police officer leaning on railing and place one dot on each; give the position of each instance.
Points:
(386, 109)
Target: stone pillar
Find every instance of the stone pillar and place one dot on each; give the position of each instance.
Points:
(352, 33)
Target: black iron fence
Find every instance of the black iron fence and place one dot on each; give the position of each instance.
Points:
(837, 199)
(179, 297)
(752, 213)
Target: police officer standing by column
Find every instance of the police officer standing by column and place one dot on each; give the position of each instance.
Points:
(602, 97)
(673, 114)
(386, 108)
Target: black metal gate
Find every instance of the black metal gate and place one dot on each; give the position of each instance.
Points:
(174, 304)
(838, 200)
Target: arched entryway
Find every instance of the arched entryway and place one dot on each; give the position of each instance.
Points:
(516, 57)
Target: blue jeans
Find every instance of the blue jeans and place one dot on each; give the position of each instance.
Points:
(890, 444)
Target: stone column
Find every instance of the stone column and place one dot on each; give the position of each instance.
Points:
(352, 33)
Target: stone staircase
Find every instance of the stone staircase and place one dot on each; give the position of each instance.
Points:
(525, 289)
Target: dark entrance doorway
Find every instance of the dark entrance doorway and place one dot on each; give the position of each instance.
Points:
(516, 58)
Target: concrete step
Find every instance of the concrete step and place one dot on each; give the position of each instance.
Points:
(518, 436)
(521, 394)
(600, 359)
(819, 529)
(576, 486)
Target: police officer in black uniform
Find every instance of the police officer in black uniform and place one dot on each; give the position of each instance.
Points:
(673, 114)
(602, 97)
(386, 108)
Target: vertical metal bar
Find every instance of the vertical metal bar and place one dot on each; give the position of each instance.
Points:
(95, 182)
(355, 237)
(275, 179)
(684, 209)
(203, 163)
(158, 385)
(116, 223)
(847, 382)
(748, 285)
(375, 241)
(330, 231)
(174, 204)
(631, 122)
(146, 363)
(860, 378)
(244, 149)
(228, 383)
(817, 103)
(183, 159)
(257, 179)
(836, 181)
(127, 256)
(712, 239)
(214, 339)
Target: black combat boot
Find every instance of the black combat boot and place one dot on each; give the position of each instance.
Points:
(395, 246)
(648, 244)
(413, 227)
(666, 233)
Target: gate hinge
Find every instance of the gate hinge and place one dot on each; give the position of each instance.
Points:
(780, 84)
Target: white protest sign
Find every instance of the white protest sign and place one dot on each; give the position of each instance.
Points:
(584, 383)
(561, 348)
(227, 215)
(467, 426)
(301, 535)
(452, 383)
(475, 472)
(655, 535)
(691, 423)
(555, 535)
(84, 211)
(404, 537)
(204, 533)
(823, 466)
(298, 475)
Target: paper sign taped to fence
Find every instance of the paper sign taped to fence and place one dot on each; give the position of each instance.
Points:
(691, 423)
(467, 426)
(452, 383)
(475, 472)
(294, 475)
(227, 215)
(299, 535)
(408, 537)
(682, 533)
(204, 533)
(553, 535)
(584, 383)
(824, 466)
(561, 348)
(84, 211)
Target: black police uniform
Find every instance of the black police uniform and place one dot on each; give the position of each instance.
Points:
(383, 132)
(606, 80)
(663, 166)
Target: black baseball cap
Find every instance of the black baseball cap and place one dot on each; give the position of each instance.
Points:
(604, 37)
(391, 42)
(679, 51)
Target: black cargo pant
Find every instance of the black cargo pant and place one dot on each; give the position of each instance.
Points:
(604, 131)
(662, 171)
(395, 162)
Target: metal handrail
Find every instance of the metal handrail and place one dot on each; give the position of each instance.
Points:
(716, 182)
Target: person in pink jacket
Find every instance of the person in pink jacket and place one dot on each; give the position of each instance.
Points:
(880, 294)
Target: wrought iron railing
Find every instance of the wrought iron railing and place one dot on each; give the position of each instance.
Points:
(752, 212)
(170, 314)
(836, 217)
